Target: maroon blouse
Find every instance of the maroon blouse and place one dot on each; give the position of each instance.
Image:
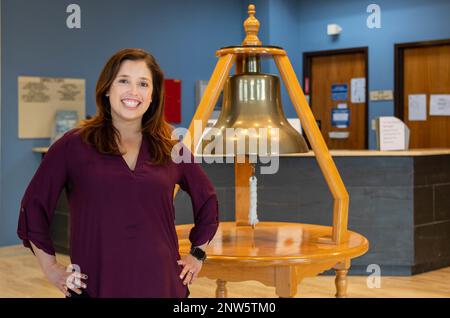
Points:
(122, 222)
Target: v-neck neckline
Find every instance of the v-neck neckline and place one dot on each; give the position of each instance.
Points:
(136, 166)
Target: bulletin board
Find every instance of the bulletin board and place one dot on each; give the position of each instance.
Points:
(40, 97)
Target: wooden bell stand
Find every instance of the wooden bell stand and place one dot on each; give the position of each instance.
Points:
(277, 254)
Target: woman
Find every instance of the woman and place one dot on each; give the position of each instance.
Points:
(119, 177)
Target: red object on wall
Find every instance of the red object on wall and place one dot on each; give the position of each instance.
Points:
(172, 98)
(306, 85)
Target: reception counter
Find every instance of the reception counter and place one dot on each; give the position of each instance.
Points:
(399, 200)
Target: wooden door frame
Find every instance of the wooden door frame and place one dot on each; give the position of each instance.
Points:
(399, 52)
(307, 70)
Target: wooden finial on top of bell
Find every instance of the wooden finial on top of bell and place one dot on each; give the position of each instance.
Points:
(251, 26)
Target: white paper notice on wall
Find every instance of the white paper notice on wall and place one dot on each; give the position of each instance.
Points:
(392, 134)
(440, 105)
(41, 97)
(417, 107)
(358, 90)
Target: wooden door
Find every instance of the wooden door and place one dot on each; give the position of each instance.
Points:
(426, 70)
(331, 70)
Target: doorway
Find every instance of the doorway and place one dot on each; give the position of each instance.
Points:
(422, 77)
(336, 83)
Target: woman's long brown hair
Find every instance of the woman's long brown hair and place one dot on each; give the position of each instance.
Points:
(99, 130)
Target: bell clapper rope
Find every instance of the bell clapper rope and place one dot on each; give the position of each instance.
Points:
(253, 216)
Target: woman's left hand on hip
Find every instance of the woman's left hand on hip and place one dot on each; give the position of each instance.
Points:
(191, 268)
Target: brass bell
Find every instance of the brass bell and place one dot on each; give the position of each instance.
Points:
(252, 107)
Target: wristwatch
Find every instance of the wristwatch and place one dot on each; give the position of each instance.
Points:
(198, 253)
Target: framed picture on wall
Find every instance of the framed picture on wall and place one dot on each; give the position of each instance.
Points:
(65, 120)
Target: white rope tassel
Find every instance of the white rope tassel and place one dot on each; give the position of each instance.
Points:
(253, 216)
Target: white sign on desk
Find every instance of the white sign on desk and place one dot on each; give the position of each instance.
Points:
(392, 134)
(440, 105)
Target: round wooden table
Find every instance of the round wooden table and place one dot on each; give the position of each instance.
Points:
(277, 254)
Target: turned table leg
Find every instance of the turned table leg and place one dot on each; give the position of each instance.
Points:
(341, 269)
(341, 283)
(221, 290)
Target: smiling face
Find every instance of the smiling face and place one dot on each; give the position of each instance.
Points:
(131, 91)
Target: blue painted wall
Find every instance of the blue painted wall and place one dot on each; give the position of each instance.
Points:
(284, 31)
(183, 36)
(279, 26)
(401, 21)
